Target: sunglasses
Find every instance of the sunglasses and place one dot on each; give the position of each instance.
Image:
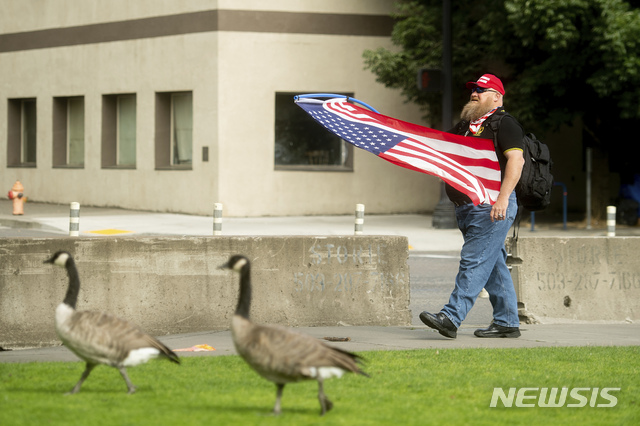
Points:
(481, 90)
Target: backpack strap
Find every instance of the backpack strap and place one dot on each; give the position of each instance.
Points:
(516, 222)
(494, 124)
(458, 128)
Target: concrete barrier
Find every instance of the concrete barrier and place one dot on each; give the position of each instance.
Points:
(173, 285)
(576, 278)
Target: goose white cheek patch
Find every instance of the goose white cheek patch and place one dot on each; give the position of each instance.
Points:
(239, 264)
(62, 259)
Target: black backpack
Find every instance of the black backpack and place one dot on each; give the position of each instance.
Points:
(534, 188)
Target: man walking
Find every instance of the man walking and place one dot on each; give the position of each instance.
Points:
(484, 227)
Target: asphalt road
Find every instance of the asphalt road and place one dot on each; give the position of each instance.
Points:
(432, 279)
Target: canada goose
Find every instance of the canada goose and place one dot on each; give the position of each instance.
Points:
(98, 337)
(279, 354)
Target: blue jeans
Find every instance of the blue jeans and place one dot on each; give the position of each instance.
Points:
(483, 264)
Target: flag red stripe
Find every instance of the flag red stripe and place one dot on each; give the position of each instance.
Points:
(473, 195)
(483, 186)
(454, 160)
(458, 177)
(469, 165)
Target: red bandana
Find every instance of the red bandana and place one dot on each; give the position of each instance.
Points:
(475, 125)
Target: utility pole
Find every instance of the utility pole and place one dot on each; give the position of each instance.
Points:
(444, 213)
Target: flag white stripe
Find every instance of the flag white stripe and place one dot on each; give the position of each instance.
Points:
(473, 181)
(427, 162)
(483, 194)
(447, 147)
(479, 171)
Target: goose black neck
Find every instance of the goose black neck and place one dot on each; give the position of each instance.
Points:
(244, 299)
(71, 298)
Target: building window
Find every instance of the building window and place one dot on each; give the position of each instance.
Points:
(174, 129)
(119, 131)
(68, 131)
(21, 132)
(303, 144)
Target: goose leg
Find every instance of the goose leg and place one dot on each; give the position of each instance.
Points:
(123, 373)
(84, 376)
(279, 389)
(325, 403)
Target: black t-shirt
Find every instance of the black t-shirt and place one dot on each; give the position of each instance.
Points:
(510, 136)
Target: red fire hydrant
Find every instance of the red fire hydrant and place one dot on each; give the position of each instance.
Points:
(17, 195)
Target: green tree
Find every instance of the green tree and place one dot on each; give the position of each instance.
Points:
(560, 60)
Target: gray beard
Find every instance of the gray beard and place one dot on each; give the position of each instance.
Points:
(473, 111)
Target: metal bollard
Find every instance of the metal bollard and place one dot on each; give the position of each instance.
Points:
(611, 221)
(359, 222)
(74, 220)
(217, 219)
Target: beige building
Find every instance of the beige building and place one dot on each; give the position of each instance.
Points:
(173, 106)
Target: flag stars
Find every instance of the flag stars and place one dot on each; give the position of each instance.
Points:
(360, 133)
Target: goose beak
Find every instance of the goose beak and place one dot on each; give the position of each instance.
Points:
(224, 266)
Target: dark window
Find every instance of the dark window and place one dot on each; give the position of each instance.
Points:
(21, 132)
(119, 131)
(68, 131)
(174, 130)
(303, 144)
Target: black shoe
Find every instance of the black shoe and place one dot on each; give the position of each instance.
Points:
(441, 323)
(496, 330)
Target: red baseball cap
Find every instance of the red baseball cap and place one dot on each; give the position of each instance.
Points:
(487, 81)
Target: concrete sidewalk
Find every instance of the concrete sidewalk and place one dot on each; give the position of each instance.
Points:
(53, 220)
(386, 338)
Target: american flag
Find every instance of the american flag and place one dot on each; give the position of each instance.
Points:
(468, 164)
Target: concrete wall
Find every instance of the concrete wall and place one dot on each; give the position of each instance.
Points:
(577, 278)
(173, 285)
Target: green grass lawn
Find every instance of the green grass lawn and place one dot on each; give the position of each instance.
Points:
(419, 387)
